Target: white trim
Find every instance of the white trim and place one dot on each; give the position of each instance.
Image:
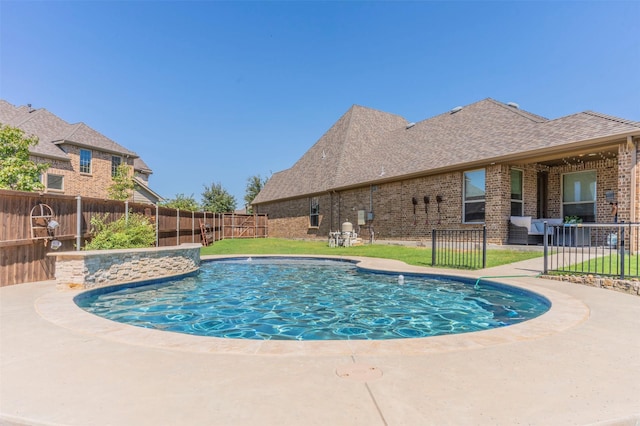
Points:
(521, 189)
(464, 195)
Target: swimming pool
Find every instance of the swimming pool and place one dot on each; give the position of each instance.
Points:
(312, 299)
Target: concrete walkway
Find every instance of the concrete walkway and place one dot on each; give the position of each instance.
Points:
(577, 364)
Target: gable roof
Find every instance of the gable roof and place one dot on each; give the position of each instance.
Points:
(142, 185)
(52, 131)
(366, 146)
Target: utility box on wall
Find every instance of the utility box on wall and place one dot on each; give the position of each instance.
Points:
(361, 220)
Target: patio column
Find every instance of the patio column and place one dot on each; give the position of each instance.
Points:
(497, 203)
(628, 196)
(628, 185)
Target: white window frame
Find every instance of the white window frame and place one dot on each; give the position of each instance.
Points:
(90, 162)
(595, 194)
(466, 202)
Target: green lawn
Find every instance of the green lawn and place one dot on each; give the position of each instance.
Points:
(607, 265)
(411, 255)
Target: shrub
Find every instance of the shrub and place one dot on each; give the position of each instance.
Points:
(135, 232)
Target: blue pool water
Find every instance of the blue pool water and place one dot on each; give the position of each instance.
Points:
(312, 299)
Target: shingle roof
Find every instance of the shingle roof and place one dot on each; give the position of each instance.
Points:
(140, 165)
(330, 161)
(41, 123)
(51, 131)
(83, 135)
(367, 146)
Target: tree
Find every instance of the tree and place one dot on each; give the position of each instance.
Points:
(122, 184)
(216, 199)
(254, 186)
(17, 171)
(182, 202)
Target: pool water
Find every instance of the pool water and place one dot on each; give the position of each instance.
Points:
(312, 299)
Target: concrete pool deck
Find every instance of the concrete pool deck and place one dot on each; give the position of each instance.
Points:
(577, 364)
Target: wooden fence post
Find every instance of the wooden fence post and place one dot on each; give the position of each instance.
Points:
(177, 227)
(157, 228)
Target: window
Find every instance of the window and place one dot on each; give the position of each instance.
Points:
(115, 163)
(473, 196)
(85, 161)
(55, 182)
(314, 213)
(579, 195)
(517, 204)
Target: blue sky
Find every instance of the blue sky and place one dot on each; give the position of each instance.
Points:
(215, 92)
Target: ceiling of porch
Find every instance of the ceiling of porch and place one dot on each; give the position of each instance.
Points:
(582, 157)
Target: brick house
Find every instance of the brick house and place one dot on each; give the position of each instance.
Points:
(470, 166)
(81, 160)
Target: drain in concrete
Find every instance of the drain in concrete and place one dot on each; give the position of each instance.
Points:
(359, 372)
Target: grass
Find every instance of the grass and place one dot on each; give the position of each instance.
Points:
(417, 256)
(607, 265)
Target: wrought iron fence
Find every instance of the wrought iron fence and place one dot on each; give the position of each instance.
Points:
(459, 248)
(600, 249)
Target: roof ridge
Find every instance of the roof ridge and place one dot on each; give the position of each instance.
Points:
(29, 116)
(343, 145)
(74, 128)
(611, 118)
(375, 110)
(517, 110)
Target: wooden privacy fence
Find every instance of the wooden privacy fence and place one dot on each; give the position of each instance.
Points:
(25, 241)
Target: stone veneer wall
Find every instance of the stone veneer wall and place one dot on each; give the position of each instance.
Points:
(96, 268)
(631, 286)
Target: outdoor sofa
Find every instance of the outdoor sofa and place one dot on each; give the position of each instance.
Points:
(525, 230)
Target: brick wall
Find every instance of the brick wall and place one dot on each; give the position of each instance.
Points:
(498, 202)
(290, 219)
(391, 203)
(94, 184)
(625, 184)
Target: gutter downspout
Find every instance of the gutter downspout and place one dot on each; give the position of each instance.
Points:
(371, 198)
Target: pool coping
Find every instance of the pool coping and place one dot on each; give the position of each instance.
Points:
(566, 312)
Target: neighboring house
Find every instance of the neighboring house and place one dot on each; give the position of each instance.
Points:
(470, 166)
(81, 160)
